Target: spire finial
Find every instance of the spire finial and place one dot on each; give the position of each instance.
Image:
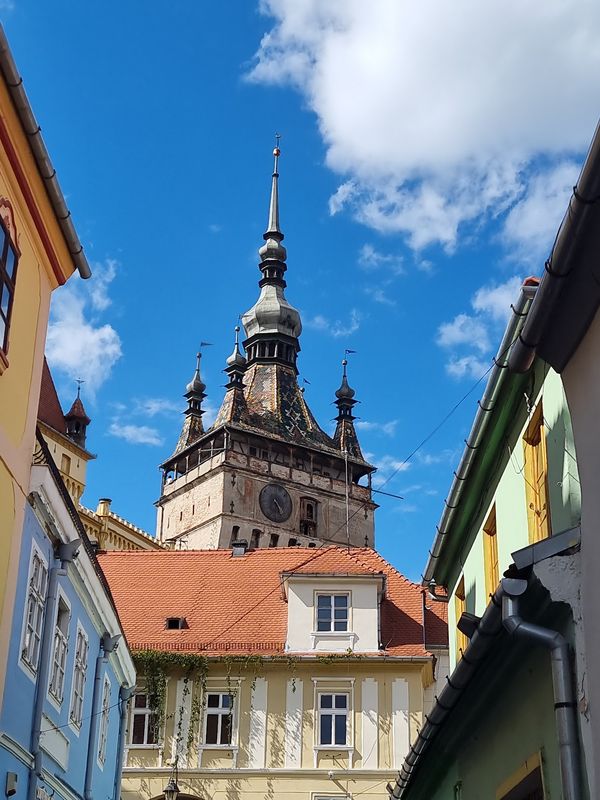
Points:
(79, 383)
(273, 224)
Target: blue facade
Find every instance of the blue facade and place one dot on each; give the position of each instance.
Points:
(62, 603)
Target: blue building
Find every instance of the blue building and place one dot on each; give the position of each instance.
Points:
(69, 673)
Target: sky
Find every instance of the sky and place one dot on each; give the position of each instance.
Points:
(428, 154)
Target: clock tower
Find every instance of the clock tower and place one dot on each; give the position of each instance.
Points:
(265, 472)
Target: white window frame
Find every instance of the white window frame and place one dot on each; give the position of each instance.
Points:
(147, 712)
(60, 650)
(80, 667)
(220, 711)
(38, 596)
(333, 712)
(103, 723)
(331, 630)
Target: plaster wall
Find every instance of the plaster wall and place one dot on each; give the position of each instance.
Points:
(229, 773)
(20, 378)
(507, 492)
(582, 385)
(362, 634)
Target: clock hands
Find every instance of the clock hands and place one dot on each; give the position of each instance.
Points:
(277, 506)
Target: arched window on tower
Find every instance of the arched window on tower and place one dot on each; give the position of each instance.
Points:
(308, 516)
(234, 535)
(255, 540)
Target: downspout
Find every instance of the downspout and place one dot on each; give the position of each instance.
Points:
(125, 693)
(565, 703)
(65, 553)
(107, 645)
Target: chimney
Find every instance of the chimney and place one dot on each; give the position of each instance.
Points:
(103, 506)
(239, 547)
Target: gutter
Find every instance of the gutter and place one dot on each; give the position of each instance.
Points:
(40, 154)
(125, 693)
(487, 404)
(562, 259)
(503, 612)
(108, 644)
(65, 554)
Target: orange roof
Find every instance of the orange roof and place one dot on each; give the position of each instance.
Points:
(236, 606)
(49, 409)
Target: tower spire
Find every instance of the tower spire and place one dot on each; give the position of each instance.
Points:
(236, 365)
(273, 224)
(345, 434)
(273, 254)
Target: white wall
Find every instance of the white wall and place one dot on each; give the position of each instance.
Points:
(362, 636)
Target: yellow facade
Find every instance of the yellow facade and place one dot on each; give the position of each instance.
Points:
(274, 749)
(44, 263)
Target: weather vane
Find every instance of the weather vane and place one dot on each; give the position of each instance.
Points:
(79, 383)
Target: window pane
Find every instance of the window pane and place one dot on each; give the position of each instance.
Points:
(10, 262)
(140, 701)
(152, 729)
(340, 625)
(324, 601)
(213, 701)
(212, 721)
(341, 601)
(341, 701)
(325, 732)
(326, 701)
(2, 238)
(226, 701)
(4, 301)
(340, 613)
(226, 729)
(340, 729)
(137, 736)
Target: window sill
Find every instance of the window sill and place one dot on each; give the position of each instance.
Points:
(334, 747)
(228, 747)
(347, 638)
(144, 746)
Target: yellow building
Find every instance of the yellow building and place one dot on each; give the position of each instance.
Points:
(66, 435)
(277, 672)
(39, 251)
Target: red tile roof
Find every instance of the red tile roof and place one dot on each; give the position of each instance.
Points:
(49, 409)
(235, 605)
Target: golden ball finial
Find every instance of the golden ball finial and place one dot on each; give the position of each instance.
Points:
(276, 152)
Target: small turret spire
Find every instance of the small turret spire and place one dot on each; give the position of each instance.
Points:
(194, 391)
(273, 254)
(77, 420)
(236, 364)
(345, 435)
(273, 224)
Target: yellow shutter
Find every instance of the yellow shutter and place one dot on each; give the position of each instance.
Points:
(490, 554)
(459, 607)
(536, 477)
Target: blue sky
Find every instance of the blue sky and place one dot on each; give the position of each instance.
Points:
(428, 155)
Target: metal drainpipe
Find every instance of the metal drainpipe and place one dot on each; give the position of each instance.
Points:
(107, 645)
(65, 553)
(565, 704)
(125, 693)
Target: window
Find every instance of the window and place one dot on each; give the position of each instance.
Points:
(103, 736)
(79, 676)
(34, 612)
(59, 651)
(490, 553)
(218, 727)
(332, 612)
(292, 542)
(274, 540)
(333, 719)
(308, 517)
(8, 275)
(175, 623)
(459, 608)
(65, 464)
(234, 535)
(536, 477)
(255, 538)
(143, 721)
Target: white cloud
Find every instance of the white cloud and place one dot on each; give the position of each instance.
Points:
(387, 466)
(135, 434)
(496, 299)
(434, 115)
(464, 329)
(389, 428)
(470, 337)
(78, 344)
(371, 259)
(335, 328)
(379, 296)
(467, 367)
(103, 275)
(153, 406)
(532, 223)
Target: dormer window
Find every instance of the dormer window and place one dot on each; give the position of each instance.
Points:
(175, 623)
(332, 612)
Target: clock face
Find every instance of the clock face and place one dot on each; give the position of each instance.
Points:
(275, 502)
